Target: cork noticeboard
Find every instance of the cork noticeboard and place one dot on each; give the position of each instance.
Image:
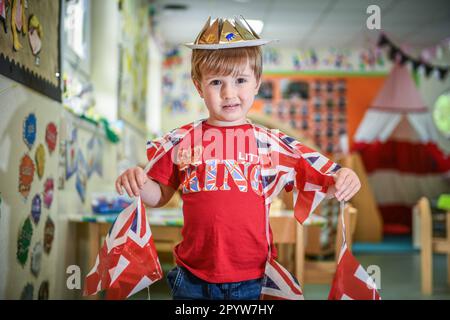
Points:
(40, 72)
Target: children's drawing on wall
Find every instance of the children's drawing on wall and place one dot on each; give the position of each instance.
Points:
(71, 155)
(315, 107)
(94, 156)
(82, 176)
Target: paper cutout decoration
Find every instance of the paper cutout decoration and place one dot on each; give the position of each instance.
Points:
(3, 14)
(71, 155)
(35, 34)
(49, 186)
(39, 157)
(36, 258)
(36, 208)
(51, 134)
(23, 242)
(49, 234)
(26, 175)
(29, 130)
(94, 156)
(43, 291)
(81, 176)
(27, 292)
(18, 22)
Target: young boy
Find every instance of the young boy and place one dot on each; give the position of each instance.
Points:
(225, 246)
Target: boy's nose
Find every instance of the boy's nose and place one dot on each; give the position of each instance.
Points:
(228, 92)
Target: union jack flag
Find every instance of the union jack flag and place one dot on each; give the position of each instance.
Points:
(127, 261)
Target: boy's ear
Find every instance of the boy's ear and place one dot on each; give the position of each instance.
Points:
(198, 87)
(258, 84)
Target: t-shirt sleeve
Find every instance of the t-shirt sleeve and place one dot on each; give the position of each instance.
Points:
(165, 171)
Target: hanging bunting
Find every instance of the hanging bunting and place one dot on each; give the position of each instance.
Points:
(23, 242)
(26, 175)
(39, 157)
(418, 65)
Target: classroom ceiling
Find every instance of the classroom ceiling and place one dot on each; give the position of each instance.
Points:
(315, 23)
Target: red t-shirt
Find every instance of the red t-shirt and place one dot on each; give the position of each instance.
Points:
(224, 237)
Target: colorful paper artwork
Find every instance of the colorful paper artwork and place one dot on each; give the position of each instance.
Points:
(71, 155)
(27, 292)
(26, 175)
(36, 258)
(43, 291)
(94, 156)
(3, 14)
(51, 134)
(36, 208)
(18, 23)
(29, 130)
(35, 34)
(49, 235)
(49, 186)
(39, 157)
(81, 176)
(23, 242)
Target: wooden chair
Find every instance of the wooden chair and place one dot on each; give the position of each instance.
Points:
(287, 231)
(430, 245)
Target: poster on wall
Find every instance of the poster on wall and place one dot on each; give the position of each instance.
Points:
(30, 44)
(133, 61)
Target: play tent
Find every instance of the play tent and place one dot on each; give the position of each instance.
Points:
(403, 153)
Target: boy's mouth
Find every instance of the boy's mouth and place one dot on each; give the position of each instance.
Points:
(231, 107)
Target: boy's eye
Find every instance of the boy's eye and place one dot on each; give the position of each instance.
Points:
(215, 82)
(241, 80)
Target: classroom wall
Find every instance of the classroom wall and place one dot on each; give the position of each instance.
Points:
(16, 102)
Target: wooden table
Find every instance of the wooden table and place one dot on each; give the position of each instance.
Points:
(166, 227)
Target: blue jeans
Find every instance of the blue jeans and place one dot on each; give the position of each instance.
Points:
(185, 286)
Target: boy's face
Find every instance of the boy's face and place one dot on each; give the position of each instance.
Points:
(228, 98)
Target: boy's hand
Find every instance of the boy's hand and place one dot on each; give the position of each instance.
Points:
(347, 184)
(132, 180)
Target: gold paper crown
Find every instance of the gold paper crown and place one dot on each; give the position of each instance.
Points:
(226, 33)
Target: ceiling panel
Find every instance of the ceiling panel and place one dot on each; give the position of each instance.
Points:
(316, 23)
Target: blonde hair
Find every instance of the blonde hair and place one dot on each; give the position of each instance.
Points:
(225, 61)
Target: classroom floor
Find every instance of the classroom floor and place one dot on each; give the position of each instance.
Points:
(399, 264)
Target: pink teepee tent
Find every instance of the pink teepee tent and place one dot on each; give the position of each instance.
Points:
(402, 151)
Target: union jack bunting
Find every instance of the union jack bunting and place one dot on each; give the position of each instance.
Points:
(285, 163)
(279, 284)
(351, 281)
(127, 261)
